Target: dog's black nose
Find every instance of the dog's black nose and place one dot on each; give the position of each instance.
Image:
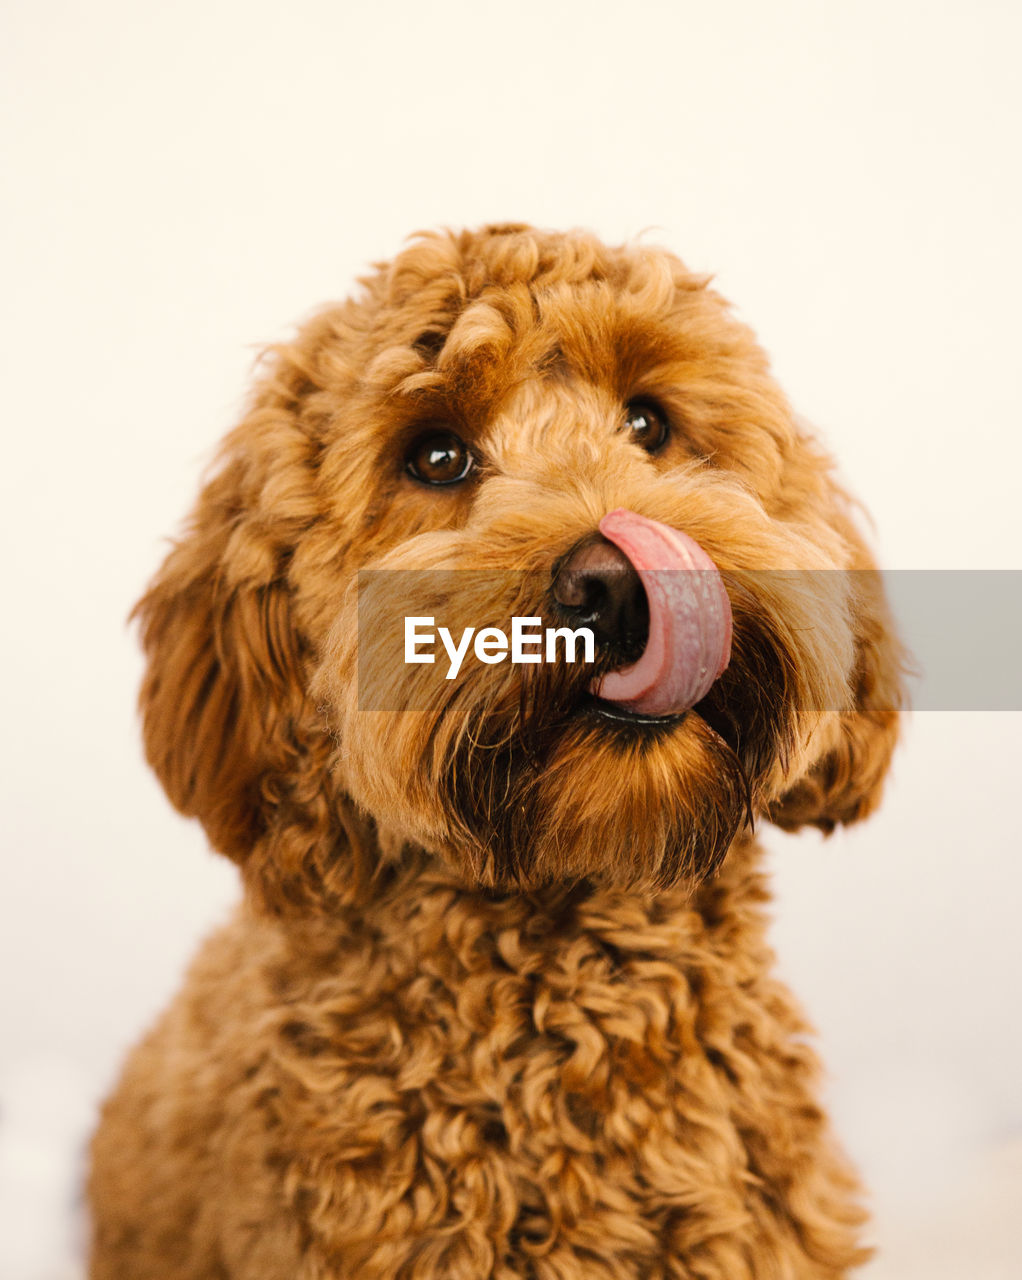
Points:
(597, 586)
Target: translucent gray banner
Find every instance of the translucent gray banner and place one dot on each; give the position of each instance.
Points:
(961, 630)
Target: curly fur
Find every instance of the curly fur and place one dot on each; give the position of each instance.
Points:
(497, 1001)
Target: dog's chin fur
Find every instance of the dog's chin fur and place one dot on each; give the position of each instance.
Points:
(565, 800)
(497, 1002)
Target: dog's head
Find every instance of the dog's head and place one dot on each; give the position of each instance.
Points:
(517, 423)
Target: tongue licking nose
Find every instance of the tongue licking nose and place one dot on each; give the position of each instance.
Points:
(689, 641)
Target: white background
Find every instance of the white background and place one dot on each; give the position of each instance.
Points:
(185, 180)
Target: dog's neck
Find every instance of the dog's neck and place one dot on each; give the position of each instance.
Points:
(416, 906)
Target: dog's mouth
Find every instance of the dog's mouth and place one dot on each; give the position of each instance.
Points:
(615, 713)
(677, 668)
(655, 599)
(632, 726)
(627, 728)
(746, 707)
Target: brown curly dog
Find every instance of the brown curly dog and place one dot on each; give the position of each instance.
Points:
(498, 1000)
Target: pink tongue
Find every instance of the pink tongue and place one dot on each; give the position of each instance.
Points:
(689, 641)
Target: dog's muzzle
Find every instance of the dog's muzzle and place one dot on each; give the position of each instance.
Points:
(655, 600)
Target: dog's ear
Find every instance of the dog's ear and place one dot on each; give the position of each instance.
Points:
(227, 722)
(845, 782)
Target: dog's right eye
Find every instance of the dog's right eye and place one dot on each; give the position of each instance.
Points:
(647, 424)
(439, 457)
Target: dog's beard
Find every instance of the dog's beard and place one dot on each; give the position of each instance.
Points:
(577, 797)
(519, 777)
(553, 784)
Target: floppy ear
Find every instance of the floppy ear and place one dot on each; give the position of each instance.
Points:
(228, 726)
(846, 781)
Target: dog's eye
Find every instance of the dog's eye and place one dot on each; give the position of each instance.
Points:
(647, 424)
(439, 457)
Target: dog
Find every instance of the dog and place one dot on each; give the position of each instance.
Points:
(498, 1000)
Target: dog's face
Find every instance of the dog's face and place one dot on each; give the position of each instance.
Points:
(473, 421)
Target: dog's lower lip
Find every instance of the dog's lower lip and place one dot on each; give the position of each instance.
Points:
(611, 711)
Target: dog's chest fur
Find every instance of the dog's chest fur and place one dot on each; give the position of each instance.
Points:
(603, 1082)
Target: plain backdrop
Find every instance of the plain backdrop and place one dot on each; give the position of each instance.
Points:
(184, 181)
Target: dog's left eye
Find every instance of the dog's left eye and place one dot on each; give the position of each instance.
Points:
(647, 424)
(439, 457)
